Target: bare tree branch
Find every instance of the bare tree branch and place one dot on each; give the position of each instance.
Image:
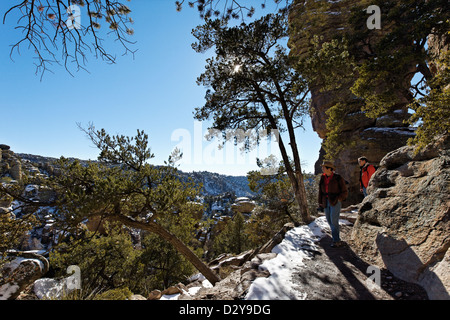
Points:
(48, 29)
(227, 9)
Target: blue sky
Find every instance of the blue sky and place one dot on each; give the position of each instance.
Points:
(155, 91)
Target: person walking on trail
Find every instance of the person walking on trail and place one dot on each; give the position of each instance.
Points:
(332, 191)
(366, 172)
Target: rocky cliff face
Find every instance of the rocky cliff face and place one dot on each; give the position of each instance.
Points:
(10, 165)
(372, 138)
(374, 142)
(404, 223)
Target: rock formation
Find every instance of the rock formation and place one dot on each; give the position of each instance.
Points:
(20, 273)
(374, 142)
(237, 272)
(10, 165)
(404, 223)
(243, 205)
(240, 271)
(365, 136)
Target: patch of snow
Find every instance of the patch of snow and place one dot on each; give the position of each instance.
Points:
(192, 291)
(31, 187)
(216, 207)
(47, 288)
(291, 252)
(198, 277)
(17, 261)
(170, 296)
(400, 130)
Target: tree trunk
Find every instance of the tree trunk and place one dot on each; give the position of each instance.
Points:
(177, 243)
(299, 189)
(300, 195)
(296, 178)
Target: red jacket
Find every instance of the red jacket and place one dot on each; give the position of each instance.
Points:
(366, 173)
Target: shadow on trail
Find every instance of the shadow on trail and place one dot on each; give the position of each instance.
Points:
(351, 267)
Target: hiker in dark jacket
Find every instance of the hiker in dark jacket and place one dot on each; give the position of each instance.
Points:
(332, 191)
(365, 173)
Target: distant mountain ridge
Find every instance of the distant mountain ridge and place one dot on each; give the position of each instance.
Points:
(213, 183)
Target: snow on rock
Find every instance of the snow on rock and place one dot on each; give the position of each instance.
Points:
(397, 130)
(296, 246)
(170, 296)
(19, 273)
(47, 288)
(192, 291)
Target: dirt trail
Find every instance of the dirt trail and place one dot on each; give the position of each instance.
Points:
(339, 274)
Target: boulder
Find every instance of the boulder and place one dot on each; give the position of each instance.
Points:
(20, 273)
(10, 164)
(154, 295)
(48, 288)
(404, 223)
(16, 169)
(243, 205)
(7, 154)
(236, 284)
(171, 290)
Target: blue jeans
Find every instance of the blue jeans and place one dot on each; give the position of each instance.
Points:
(332, 214)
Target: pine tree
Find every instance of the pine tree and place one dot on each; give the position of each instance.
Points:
(122, 187)
(234, 238)
(252, 86)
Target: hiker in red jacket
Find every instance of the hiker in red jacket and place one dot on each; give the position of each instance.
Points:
(366, 172)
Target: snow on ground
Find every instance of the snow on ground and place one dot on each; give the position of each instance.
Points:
(296, 246)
